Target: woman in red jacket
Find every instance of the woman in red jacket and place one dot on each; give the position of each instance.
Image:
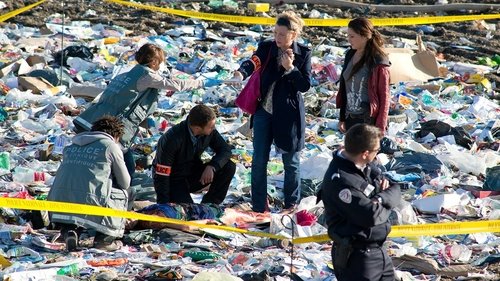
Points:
(364, 95)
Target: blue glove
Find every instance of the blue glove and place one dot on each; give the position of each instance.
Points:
(209, 82)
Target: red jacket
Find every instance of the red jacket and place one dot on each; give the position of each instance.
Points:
(378, 92)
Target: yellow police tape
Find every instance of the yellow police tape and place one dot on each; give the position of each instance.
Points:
(433, 229)
(14, 13)
(63, 207)
(308, 22)
(397, 231)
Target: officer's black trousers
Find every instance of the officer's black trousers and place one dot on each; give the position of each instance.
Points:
(368, 264)
(181, 188)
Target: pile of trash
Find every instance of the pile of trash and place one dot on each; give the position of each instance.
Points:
(442, 146)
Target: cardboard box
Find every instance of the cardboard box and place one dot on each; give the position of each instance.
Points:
(480, 193)
(85, 91)
(258, 7)
(35, 84)
(35, 59)
(34, 42)
(20, 67)
(410, 66)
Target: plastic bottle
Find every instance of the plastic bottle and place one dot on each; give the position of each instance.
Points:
(163, 125)
(496, 58)
(59, 143)
(271, 191)
(401, 88)
(429, 100)
(240, 258)
(111, 40)
(27, 175)
(71, 269)
(4, 160)
(412, 115)
(196, 98)
(458, 252)
(201, 255)
(486, 133)
(3, 114)
(269, 242)
(275, 168)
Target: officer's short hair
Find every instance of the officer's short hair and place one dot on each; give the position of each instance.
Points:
(110, 125)
(200, 115)
(362, 137)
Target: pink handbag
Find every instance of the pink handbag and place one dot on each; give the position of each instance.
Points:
(249, 97)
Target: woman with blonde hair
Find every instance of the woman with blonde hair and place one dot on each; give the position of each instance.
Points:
(364, 95)
(280, 117)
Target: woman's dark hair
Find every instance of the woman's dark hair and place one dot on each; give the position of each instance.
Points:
(362, 137)
(374, 47)
(148, 54)
(200, 115)
(110, 125)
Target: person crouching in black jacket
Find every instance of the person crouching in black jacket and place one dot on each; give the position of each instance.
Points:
(358, 203)
(177, 167)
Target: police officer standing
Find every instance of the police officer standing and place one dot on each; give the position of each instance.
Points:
(358, 202)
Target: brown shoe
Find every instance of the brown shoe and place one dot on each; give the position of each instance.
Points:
(71, 240)
(108, 246)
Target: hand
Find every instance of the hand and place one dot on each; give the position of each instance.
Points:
(287, 59)
(209, 82)
(236, 80)
(384, 184)
(207, 176)
(342, 127)
(237, 75)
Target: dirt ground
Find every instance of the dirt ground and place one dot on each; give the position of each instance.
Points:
(142, 21)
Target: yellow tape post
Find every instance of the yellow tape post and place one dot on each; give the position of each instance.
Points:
(14, 13)
(308, 22)
(397, 231)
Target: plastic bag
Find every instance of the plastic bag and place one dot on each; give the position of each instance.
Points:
(73, 51)
(492, 181)
(388, 146)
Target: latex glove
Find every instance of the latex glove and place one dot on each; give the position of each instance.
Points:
(209, 82)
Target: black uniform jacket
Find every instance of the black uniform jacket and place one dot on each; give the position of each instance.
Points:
(176, 156)
(349, 209)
